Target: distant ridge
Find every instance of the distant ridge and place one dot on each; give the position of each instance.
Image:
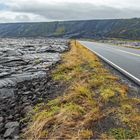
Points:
(113, 28)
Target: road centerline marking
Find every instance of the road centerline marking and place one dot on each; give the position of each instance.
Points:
(121, 50)
(128, 52)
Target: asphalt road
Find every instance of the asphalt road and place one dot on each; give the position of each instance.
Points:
(126, 60)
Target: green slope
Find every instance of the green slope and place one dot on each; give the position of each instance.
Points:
(117, 28)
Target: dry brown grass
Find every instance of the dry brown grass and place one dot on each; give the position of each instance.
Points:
(86, 102)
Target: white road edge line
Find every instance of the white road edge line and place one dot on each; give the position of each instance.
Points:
(135, 79)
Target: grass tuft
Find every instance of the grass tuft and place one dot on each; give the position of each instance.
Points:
(92, 95)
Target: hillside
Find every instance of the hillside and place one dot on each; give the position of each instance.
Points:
(116, 28)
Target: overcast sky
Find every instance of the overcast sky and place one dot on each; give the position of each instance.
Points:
(52, 10)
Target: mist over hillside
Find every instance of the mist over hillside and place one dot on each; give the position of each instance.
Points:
(114, 28)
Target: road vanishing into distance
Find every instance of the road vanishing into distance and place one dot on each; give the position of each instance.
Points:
(126, 60)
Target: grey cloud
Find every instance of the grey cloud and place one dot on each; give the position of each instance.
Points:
(71, 11)
(22, 18)
(17, 18)
(4, 19)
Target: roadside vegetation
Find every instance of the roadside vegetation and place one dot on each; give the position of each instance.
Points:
(94, 105)
(60, 31)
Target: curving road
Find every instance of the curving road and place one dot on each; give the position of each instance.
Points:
(126, 60)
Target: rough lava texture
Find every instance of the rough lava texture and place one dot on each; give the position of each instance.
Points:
(25, 66)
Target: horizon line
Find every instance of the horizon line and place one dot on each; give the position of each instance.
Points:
(24, 22)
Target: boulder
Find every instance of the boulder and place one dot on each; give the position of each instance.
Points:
(42, 49)
(4, 74)
(12, 129)
(12, 124)
(11, 132)
(6, 92)
(1, 119)
(1, 127)
(27, 93)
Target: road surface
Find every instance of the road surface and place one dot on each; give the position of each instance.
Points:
(126, 60)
